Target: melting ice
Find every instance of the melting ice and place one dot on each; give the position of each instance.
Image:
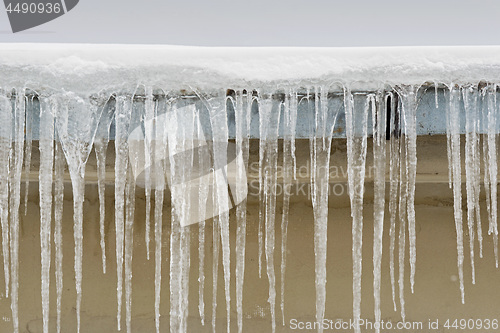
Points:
(184, 134)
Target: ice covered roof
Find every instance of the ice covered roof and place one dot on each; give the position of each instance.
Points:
(92, 68)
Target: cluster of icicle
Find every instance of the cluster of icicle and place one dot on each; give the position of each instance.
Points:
(71, 125)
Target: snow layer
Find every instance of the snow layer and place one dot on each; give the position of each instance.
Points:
(79, 67)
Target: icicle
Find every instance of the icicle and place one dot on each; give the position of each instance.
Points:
(262, 197)
(148, 149)
(129, 244)
(158, 242)
(5, 157)
(27, 152)
(184, 291)
(58, 211)
(101, 147)
(243, 109)
(215, 267)
(122, 119)
(448, 148)
(393, 194)
(356, 108)
(76, 125)
(15, 194)
(492, 165)
(290, 114)
(174, 274)
(477, 188)
(269, 114)
(471, 173)
(325, 119)
(180, 146)
(202, 209)
(436, 96)
(486, 163)
(379, 124)
(403, 198)
(45, 188)
(218, 119)
(409, 108)
(159, 185)
(454, 116)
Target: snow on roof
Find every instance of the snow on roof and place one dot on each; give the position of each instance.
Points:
(91, 68)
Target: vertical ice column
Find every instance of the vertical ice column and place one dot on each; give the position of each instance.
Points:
(181, 144)
(129, 244)
(203, 163)
(149, 113)
(269, 117)
(379, 111)
(290, 122)
(394, 169)
(76, 125)
(159, 185)
(101, 146)
(454, 125)
(242, 107)
(356, 108)
(58, 211)
(30, 101)
(217, 108)
(122, 120)
(15, 196)
(470, 94)
(215, 266)
(46, 146)
(491, 97)
(408, 96)
(402, 216)
(324, 122)
(6, 119)
(175, 265)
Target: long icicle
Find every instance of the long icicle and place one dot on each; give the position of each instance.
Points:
(15, 194)
(486, 164)
(101, 146)
(409, 104)
(159, 184)
(243, 109)
(5, 161)
(325, 119)
(27, 151)
(492, 164)
(122, 119)
(290, 114)
(394, 185)
(129, 245)
(454, 116)
(46, 146)
(471, 115)
(269, 116)
(58, 215)
(215, 268)
(379, 142)
(202, 210)
(148, 152)
(403, 196)
(356, 108)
